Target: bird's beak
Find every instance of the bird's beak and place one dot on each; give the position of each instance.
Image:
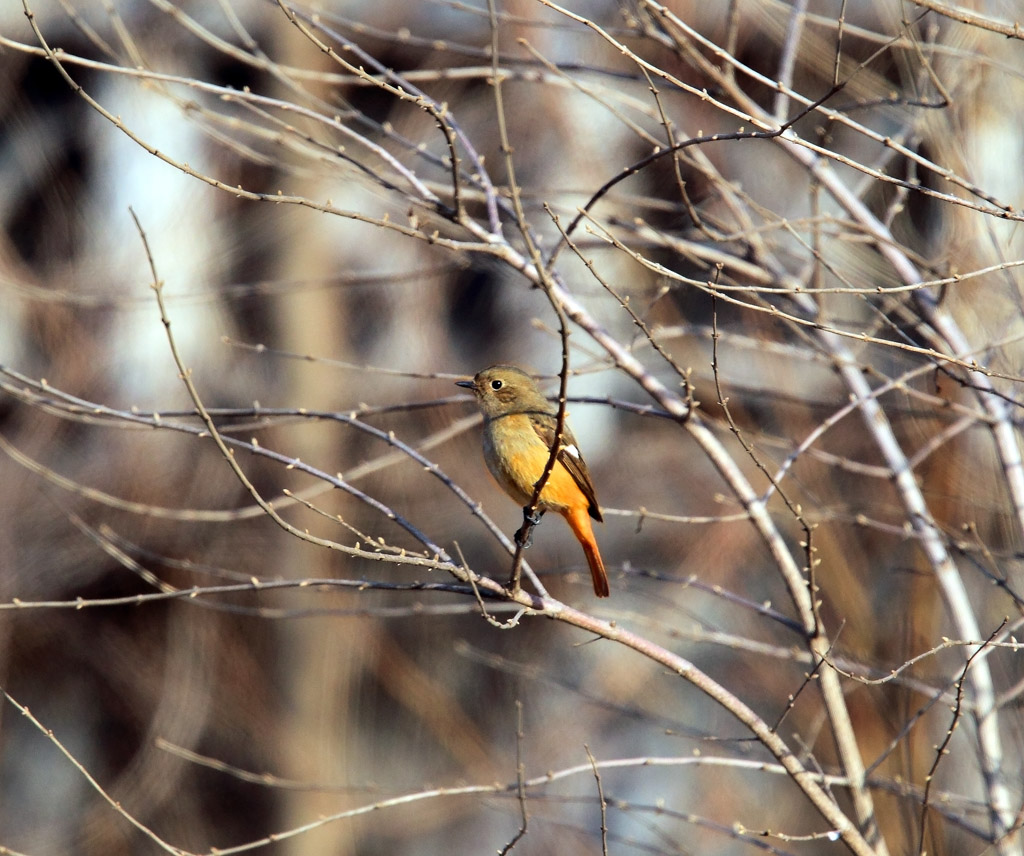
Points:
(466, 384)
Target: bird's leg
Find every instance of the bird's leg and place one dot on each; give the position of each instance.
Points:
(531, 518)
(524, 538)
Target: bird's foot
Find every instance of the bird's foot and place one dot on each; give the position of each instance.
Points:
(524, 536)
(532, 516)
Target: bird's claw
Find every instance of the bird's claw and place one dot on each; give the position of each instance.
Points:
(533, 517)
(524, 536)
(529, 538)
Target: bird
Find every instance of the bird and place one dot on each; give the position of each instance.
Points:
(519, 432)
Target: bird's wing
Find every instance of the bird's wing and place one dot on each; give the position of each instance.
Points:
(569, 456)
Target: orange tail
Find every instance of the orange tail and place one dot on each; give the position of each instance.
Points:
(579, 521)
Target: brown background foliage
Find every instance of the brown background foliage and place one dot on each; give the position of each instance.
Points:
(315, 258)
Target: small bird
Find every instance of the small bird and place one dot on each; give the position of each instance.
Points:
(519, 431)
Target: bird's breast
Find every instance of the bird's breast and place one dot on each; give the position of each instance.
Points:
(516, 457)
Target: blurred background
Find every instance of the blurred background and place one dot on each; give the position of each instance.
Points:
(297, 197)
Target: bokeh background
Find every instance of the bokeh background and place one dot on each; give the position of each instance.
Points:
(296, 205)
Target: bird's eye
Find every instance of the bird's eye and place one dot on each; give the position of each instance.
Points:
(497, 384)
